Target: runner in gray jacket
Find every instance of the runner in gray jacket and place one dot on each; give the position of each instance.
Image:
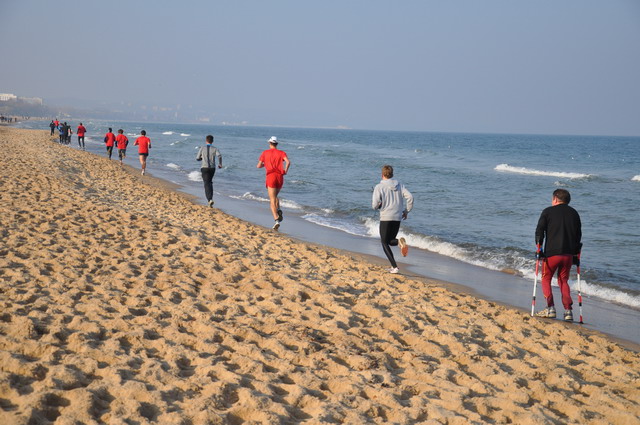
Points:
(207, 154)
(388, 197)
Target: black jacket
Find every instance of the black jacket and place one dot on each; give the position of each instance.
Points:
(560, 226)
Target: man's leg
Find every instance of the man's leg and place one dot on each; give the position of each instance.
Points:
(549, 267)
(143, 163)
(274, 201)
(564, 267)
(388, 232)
(207, 178)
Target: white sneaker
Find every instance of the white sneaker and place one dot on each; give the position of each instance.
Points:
(142, 173)
(276, 225)
(210, 203)
(394, 270)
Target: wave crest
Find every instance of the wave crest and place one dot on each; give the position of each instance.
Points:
(528, 171)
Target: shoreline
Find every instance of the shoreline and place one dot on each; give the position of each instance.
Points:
(617, 321)
(126, 300)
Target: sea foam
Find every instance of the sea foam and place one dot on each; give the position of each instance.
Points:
(636, 178)
(195, 176)
(168, 132)
(174, 166)
(283, 202)
(528, 171)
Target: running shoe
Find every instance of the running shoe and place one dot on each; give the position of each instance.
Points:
(280, 218)
(568, 316)
(404, 248)
(549, 313)
(394, 270)
(276, 225)
(210, 203)
(142, 172)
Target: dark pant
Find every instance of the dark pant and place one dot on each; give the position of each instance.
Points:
(207, 178)
(81, 141)
(110, 151)
(388, 232)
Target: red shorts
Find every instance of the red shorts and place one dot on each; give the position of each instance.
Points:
(275, 180)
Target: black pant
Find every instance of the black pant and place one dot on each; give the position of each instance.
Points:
(81, 141)
(207, 178)
(110, 151)
(388, 232)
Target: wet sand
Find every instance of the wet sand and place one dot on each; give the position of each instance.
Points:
(123, 301)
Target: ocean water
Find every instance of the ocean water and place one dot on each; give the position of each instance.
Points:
(477, 196)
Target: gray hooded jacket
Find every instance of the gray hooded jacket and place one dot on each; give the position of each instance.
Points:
(387, 197)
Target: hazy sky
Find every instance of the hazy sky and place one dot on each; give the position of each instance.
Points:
(543, 66)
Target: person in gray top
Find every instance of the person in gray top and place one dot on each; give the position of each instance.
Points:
(207, 154)
(389, 197)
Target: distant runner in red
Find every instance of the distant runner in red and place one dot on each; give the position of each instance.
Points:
(110, 141)
(121, 143)
(81, 131)
(144, 144)
(272, 160)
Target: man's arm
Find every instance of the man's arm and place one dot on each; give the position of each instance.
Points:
(541, 229)
(260, 164)
(287, 164)
(376, 199)
(409, 198)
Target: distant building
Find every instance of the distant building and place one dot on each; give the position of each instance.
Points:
(5, 97)
(31, 100)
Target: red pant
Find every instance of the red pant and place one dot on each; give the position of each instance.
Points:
(563, 264)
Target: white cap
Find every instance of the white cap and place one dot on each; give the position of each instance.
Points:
(273, 139)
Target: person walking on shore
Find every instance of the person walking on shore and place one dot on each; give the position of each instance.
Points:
(388, 196)
(207, 154)
(121, 143)
(110, 141)
(560, 230)
(52, 126)
(64, 132)
(144, 144)
(81, 131)
(272, 159)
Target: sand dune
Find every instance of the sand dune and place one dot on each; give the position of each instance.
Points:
(123, 302)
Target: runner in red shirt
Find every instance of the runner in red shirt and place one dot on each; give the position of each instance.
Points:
(110, 141)
(272, 160)
(144, 144)
(81, 131)
(121, 143)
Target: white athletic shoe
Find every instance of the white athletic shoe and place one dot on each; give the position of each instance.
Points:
(276, 225)
(142, 173)
(394, 270)
(210, 203)
(404, 248)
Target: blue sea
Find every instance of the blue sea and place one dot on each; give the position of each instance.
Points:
(477, 196)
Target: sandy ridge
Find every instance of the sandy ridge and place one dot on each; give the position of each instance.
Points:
(124, 302)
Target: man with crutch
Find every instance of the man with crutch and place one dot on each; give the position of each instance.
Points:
(559, 230)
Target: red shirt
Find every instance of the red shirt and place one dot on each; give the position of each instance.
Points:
(143, 143)
(81, 130)
(122, 141)
(109, 138)
(272, 159)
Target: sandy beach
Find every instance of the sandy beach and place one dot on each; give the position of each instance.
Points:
(124, 302)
